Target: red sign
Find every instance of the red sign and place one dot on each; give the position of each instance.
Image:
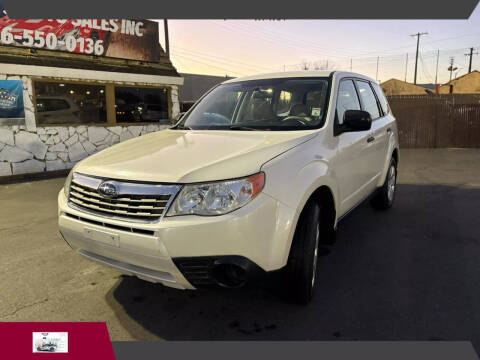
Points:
(63, 341)
(120, 38)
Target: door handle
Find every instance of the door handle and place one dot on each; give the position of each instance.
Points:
(389, 130)
(370, 139)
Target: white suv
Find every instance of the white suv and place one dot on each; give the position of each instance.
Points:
(251, 179)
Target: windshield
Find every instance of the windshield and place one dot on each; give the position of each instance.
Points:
(268, 104)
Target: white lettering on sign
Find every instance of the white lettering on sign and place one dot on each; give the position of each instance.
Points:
(39, 39)
(80, 36)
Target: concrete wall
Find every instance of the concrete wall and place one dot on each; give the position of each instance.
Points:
(26, 148)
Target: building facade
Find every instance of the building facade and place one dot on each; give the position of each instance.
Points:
(399, 87)
(465, 84)
(61, 103)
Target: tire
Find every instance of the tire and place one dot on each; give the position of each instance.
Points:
(385, 196)
(300, 272)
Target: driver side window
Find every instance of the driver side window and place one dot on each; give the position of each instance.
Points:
(347, 99)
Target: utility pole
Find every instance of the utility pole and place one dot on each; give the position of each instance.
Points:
(451, 68)
(416, 56)
(406, 66)
(351, 66)
(436, 71)
(376, 76)
(167, 42)
(471, 56)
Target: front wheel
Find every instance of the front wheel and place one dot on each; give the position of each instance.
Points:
(383, 200)
(301, 267)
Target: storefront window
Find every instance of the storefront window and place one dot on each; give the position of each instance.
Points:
(70, 103)
(134, 104)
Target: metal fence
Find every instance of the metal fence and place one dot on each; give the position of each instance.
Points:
(437, 121)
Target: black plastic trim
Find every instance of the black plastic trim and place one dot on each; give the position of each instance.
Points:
(198, 270)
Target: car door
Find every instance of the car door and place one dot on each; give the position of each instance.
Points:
(376, 138)
(351, 163)
(382, 128)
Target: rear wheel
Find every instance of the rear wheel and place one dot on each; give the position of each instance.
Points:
(301, 268)
(383, 200)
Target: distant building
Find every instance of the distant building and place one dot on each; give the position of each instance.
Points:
(399, 87)
(465, 84)
(195, 85)
(429, 86)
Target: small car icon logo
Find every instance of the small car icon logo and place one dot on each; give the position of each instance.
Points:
(107, 189)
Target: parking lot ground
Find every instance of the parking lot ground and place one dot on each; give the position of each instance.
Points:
(411, 273)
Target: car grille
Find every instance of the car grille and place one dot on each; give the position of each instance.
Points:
(133, 201)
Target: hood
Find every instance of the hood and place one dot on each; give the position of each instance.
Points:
(179, 156)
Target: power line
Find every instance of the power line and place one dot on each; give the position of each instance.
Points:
(214, 66)
(216, 59)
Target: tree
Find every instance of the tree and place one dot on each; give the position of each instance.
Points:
(316, 65)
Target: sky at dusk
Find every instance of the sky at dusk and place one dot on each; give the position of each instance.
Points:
(243, 47)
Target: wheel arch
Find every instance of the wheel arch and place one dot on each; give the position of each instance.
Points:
(324, 196)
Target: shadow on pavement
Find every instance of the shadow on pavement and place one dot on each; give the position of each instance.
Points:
(411, 273)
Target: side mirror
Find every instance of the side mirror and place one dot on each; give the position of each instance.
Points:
(356, 120)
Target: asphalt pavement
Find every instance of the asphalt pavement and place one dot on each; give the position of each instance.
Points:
(410, 273)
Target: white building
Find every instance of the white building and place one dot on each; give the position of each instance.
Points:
(74, 103)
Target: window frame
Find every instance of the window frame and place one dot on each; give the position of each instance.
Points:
(328, 96)
(111, 120)
(169, 104)
(384, 113)
(379, 107)
(336, 123)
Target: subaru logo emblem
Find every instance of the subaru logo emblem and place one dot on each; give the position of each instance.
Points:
(107, 189)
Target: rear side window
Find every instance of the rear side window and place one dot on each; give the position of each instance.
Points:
(368, 99)
(381, 98)
(347, 99)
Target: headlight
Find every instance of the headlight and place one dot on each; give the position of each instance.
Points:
(66, 186)
(216, 198)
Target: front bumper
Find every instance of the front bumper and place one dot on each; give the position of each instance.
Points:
(259, 232)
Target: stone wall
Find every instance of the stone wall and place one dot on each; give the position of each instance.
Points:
(26, 148)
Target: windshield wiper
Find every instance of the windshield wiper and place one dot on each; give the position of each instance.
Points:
(182, 127)
(246, 128)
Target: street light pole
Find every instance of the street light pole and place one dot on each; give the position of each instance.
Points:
(167, 42)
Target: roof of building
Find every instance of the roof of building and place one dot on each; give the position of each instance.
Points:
(467, 83)
(400, 87)
(38, 57)
(430, 86)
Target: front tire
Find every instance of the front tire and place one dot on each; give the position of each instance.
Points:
(302, 263)
(383, 200)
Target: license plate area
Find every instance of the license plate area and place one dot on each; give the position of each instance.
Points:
(105, 237)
